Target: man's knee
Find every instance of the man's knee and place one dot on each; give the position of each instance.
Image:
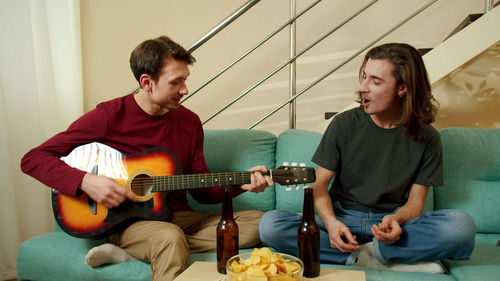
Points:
(460, 228)
(248, 216)
(270, 224)
(171, 236)
(458, 235)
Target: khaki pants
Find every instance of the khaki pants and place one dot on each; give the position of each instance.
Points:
(166, 245)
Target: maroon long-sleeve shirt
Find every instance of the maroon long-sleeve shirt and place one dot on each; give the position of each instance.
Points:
(121, 124)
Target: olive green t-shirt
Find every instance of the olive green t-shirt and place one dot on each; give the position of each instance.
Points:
(375, 167)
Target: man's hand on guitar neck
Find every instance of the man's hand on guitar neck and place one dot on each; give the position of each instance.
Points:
(258, 181)
(105, 190)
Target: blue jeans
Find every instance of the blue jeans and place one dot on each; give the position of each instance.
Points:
(443, 234)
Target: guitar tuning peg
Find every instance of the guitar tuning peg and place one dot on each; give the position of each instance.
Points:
(286, 164)
(294, 164)
(297, 187)
(302, 164)
(306, 186)
(288, 188)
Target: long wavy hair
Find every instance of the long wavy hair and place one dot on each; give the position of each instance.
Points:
(418, 104)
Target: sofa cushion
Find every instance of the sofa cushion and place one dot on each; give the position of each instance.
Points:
(471, 165)
(58, 256)
(294, 146)
(484, 262)
(237, 150)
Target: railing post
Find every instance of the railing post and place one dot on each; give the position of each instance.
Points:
(293, 74)
(488, 5)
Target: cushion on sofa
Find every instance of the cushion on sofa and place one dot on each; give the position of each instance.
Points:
(483, 264)
(471, 165)
(237, 150)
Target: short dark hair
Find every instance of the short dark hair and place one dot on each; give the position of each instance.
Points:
(418, 104)
(149, 56)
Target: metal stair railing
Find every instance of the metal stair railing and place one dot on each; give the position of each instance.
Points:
(244, 8)
(289, 61)
(240, 11)
(293, 58)
(344, 62)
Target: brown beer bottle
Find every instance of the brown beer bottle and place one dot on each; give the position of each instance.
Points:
(227, 232)
(308, 237)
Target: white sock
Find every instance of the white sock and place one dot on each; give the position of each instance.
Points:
(107, 253)
(367, 258)
(422, 266)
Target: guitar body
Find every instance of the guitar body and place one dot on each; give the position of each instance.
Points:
(82, 217)
(150, 175)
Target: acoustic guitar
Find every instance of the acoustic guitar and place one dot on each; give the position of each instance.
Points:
(147, 174)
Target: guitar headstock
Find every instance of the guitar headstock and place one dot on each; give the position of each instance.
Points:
(294, 174)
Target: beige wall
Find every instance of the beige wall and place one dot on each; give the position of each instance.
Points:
(112, 28)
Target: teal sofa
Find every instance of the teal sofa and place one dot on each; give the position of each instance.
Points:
(472, 184)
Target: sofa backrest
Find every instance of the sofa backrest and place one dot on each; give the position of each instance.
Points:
(471, 170)
(237, 150)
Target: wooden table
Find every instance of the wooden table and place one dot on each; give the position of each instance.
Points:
(206, 271)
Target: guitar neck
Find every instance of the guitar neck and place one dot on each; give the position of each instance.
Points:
(176, 182)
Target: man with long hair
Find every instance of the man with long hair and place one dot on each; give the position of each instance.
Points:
(382, 156)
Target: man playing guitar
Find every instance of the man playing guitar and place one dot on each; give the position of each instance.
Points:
(150, 117)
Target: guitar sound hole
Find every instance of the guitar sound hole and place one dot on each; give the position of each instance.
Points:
(142, 185)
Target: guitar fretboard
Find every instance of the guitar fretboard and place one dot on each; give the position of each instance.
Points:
(175, 182)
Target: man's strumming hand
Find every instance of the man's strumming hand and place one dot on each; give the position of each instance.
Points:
(105, 190)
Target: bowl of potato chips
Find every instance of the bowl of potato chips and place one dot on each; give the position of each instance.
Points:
(264, 265)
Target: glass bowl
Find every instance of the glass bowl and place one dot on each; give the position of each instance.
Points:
(273, 267)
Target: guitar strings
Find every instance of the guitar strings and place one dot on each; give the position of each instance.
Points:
(192, 178)
(285, 174)
(147, 184)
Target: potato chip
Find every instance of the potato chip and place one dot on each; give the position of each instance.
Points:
(254, 260)
(291, 266)
(255, 270)
(237, 267)
(265, 252)
(272, 269)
